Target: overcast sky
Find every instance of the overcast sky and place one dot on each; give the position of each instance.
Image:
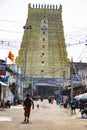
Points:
(13, 14)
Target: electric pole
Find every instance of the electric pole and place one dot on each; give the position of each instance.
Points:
(71, 74)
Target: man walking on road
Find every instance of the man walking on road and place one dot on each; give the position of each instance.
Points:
(28, 102)
(73, 106)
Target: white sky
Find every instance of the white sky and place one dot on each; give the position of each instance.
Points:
(13, 14)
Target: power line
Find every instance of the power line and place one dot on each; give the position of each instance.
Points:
(11, 21)
(76, 38)
(77, 31)
(69, 37)
(9, 31)
(9, 44)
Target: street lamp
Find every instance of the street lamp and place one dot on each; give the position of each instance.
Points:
(71, 78)
(26, 27)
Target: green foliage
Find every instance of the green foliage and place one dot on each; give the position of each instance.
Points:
(30, 85)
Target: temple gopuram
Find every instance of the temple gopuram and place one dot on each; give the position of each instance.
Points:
(42, 53)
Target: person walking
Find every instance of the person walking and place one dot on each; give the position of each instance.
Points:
(73, 106)
(28, 102)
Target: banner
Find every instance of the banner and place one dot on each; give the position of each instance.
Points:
(11, 56)
(2, 70)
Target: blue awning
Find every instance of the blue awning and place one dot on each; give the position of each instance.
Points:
(3, 84)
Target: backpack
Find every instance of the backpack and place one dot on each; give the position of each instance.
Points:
(27, 102)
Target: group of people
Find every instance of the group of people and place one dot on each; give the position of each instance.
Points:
(81, 104)
(50, 99)
(28, 104)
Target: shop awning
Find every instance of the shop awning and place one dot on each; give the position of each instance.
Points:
(81, 96)
(3, 84)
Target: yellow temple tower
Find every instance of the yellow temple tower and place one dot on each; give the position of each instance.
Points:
(43, 50)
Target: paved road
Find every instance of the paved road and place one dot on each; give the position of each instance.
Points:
(47, 117)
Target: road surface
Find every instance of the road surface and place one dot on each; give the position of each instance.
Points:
(47, 117)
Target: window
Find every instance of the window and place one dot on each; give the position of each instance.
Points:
(44, 26)
(43, 32)
(44, 21)
(43, 39)
(42, 72)
(42, 54)
(43, 46)
(42, 62)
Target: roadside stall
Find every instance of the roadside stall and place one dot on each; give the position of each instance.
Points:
(5, 94)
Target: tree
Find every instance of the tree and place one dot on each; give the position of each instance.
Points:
(30, 85)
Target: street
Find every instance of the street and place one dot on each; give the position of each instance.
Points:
(46, 117)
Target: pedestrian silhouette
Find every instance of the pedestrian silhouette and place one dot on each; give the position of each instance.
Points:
(28, 102)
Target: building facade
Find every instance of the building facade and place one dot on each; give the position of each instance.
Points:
(43, 49)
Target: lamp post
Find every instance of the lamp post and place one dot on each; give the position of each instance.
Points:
(26, 27)
(71, 78)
